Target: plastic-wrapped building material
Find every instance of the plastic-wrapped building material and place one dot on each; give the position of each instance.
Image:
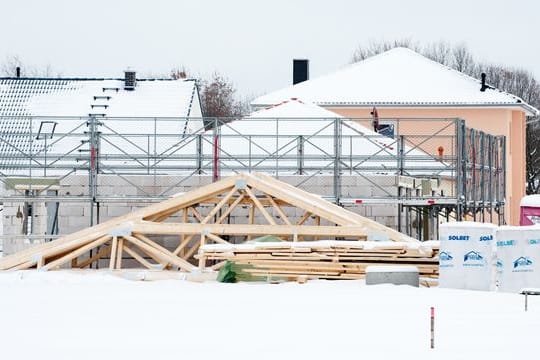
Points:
(467, 255)
(518, 257)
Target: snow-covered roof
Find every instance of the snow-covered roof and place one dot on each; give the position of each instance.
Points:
(82, 97)
(398, 77)
(531, 201)
(127, 118)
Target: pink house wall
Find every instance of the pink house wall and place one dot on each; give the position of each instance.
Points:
(496, 121)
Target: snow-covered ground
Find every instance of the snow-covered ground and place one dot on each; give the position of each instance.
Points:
(95, 315)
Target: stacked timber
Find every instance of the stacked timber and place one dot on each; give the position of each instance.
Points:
(324, 259)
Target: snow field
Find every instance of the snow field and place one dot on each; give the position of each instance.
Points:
(94, 315)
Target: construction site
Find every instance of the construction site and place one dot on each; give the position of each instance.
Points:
(108, 193)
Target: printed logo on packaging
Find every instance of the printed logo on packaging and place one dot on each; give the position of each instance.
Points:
(500, 266)
(446, 258)
(473, 258)
(534, 242)
(502, 243)
(523, 264)
(458, 237)
(486, 237)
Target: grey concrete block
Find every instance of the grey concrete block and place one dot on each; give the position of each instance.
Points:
(397, 275)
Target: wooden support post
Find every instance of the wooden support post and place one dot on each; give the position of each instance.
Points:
(114, 252)
(318, 223)
(120, 253)
(202, 259)
(251, 217)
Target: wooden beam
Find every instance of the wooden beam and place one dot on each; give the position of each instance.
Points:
(138, 257)
(183, 244)
(114, 250)
(303, 219)
(197, 214)
(219, 206)
(145, 227)
(279, 210)
(216, 239)
(251, 217)
(120, 253)
(202, 259)
(101, 253)
(230, 209)
(261, 208)
(76, 253)
(165, 256)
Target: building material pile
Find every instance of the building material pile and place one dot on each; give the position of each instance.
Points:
(194, 219)
(325, 259)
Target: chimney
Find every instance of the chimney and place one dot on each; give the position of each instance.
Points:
(484, 86)
(130, 80)
(18, 72)
(300, 70)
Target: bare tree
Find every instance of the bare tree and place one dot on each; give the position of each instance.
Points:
(375, 48)
(11, 63)
(218, 97)
(462, 59)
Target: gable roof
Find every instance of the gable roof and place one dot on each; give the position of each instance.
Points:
(82, 97)
(398, 77)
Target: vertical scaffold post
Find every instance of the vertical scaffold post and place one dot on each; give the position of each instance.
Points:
(337, 159)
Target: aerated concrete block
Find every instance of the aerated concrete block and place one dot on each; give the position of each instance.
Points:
(397, 275)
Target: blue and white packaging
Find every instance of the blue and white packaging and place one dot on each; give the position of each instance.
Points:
(467, 255)
(518, 257)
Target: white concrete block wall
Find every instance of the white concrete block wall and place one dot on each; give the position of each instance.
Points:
(76, 216)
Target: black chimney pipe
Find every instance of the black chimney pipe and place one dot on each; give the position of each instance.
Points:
(484, 86)
(300, 70)
(18, 72)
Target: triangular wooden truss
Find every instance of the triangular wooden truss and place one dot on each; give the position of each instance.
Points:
(132, 233)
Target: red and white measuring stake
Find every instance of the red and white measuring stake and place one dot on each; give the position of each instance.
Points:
(432, 327)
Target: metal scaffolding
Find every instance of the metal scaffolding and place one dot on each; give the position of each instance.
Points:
(437, 167)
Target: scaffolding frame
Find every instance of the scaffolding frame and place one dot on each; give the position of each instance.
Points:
(473, 161)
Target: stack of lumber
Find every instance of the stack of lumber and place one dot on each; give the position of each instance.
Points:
(324, 259)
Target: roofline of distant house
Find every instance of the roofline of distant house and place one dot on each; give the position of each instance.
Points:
(86, 79)
(529, 110)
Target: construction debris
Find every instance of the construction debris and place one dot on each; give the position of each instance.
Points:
(198, 217)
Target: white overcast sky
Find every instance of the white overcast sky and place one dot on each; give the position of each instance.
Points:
(253, 42)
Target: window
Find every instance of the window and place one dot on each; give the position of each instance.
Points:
(387, 128)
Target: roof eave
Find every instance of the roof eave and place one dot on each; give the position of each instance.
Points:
(528, 109)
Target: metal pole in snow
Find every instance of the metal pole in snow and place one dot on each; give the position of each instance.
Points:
(432, 327)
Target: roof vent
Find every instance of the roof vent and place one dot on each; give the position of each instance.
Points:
(484, 86)
(130, 80)
(300, 70)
